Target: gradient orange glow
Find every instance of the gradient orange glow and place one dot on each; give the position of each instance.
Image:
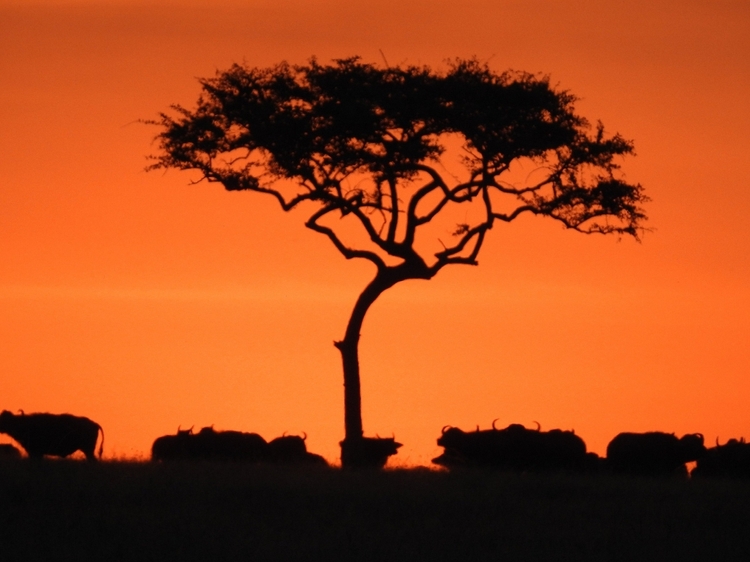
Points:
(146, 303)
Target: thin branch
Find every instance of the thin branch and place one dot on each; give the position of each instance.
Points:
(514, 215)
(448, 256)
(393, 225)
(348, 253)
(452, 197)
(512, 190)
(354, 208)
(236, 182)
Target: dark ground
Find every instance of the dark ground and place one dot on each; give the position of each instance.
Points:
(72, 510)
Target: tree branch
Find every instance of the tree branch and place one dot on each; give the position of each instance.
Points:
(393, 225)
(452, 196)
(240, 182)
(514, 215)
(448, 256)
(348, 253)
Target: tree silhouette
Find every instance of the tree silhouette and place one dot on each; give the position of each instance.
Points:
(370, 145)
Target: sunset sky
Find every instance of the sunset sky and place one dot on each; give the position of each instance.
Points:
(146, 303)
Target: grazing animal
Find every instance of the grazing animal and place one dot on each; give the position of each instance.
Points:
(730, 460)
(653, 453)
(368, 452)
(57, 435)
(513, 448)
(8, 451)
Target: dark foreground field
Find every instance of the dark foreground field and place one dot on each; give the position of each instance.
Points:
(139, 511)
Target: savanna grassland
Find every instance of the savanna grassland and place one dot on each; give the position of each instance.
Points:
(73, 510)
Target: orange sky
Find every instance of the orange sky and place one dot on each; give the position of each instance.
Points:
(145, 303)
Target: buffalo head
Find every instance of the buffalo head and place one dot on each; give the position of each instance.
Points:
(692, 447)
(368, 452)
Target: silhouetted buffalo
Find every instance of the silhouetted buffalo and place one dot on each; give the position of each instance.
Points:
(287, 448)
(731, 460)
(57, 435)
(291, 449)
(8, 451)
(209, 444)
(368, 452)
(653, 453)
(513, 448)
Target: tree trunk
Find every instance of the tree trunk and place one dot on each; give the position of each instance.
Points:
(349, 348)
(355, 449)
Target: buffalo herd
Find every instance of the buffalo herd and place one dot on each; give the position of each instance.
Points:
(209, 444)
(517, 448)
(514, 448)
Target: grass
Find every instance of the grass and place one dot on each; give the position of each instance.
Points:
(69, 510)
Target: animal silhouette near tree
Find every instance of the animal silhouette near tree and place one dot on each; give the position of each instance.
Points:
(366, 150)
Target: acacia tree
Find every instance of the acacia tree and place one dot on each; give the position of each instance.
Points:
(368, 144)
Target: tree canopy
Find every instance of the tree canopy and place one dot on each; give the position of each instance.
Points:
(355, 140)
